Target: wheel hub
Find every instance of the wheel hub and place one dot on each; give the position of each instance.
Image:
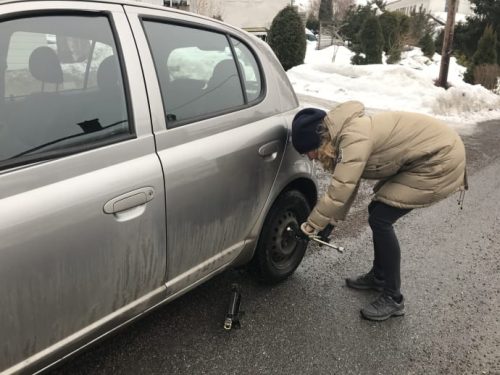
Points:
(285, 240)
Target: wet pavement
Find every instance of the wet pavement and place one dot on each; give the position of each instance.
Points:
(310, 324)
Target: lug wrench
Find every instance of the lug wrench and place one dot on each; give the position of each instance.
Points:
(340, 249)
(318, 239)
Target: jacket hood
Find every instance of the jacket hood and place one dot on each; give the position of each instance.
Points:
(341, 115)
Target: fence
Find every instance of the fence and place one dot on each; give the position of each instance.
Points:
(328, 36)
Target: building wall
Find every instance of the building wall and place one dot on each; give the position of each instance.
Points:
(256, 15)
(432, 6)
(464, 7)
(406, 6)
(241, 13)
(155, 2)
(248, 14)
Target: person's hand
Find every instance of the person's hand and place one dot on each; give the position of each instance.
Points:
(307, 229)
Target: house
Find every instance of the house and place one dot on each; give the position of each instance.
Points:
(245, 13)
(254, 16)
(437, 8)
(155, 2)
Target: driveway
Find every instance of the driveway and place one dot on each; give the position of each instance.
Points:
(310, 324)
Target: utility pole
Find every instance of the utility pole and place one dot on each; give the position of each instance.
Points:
(447, 44)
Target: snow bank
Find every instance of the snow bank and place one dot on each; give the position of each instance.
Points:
(407, 86)
(443, 16)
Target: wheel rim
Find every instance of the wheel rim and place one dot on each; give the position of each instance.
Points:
(284, 240)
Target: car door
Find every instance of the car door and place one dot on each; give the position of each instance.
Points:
(82, 211)
(219, 135)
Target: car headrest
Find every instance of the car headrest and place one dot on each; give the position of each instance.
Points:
(223, 72)
(44, 65)
(108, 74)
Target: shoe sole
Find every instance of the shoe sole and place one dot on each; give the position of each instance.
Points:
(363, 287)
(382, 318)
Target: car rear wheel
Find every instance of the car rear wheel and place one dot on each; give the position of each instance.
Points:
(278, 251)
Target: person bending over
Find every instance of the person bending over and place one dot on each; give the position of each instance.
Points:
(418, 161)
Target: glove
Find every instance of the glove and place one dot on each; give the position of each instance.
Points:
(324, 234)
(307, 230)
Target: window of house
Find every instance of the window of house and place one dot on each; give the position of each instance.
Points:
(61, 87)
(197, 73)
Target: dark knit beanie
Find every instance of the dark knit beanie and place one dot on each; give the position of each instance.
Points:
(305, 126)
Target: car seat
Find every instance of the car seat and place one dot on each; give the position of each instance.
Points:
(36, 123)
(110, 104)
(44, 66)
(224, 88)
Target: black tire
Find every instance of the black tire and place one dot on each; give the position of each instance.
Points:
(279, 252)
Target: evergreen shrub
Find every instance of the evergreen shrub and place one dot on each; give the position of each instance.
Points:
(486, 53)
(427, 45)
(372, 40)
(287, 38)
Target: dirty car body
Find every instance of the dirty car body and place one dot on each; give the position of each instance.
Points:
(142, 151)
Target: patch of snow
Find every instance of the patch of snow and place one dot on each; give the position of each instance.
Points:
(373, 5)
(442, 16)
(407, 86)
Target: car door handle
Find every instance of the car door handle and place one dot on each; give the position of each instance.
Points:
(269, 151)
(129, 200)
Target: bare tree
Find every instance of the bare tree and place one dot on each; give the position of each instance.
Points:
(314, 8)
(340, 8)
(447, 44)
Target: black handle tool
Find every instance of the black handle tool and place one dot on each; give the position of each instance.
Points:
(233, 313)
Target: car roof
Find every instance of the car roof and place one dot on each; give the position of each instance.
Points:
(127, 2)
(118, 2)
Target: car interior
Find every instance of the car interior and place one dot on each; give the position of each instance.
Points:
(48, 102)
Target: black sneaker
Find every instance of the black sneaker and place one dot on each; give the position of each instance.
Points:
(366, 281)
(383, 308)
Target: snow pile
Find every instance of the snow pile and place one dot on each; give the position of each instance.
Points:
(442, 16)
(366, 2)
(408, 86)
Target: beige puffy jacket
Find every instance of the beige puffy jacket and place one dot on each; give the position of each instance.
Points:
(418, 159)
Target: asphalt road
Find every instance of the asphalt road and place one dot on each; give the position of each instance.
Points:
(310, 324)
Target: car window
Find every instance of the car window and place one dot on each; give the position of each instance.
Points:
(61, 87)
(100, 53)
(250, 70)
(197, 73)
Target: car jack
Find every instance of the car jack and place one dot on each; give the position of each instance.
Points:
(233, 314)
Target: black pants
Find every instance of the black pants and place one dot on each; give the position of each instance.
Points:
(387, 257)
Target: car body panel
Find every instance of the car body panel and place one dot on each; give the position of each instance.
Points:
(216, 182)
(60, 254)
(71, 269)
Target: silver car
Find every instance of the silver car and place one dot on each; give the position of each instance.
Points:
(142, 151)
